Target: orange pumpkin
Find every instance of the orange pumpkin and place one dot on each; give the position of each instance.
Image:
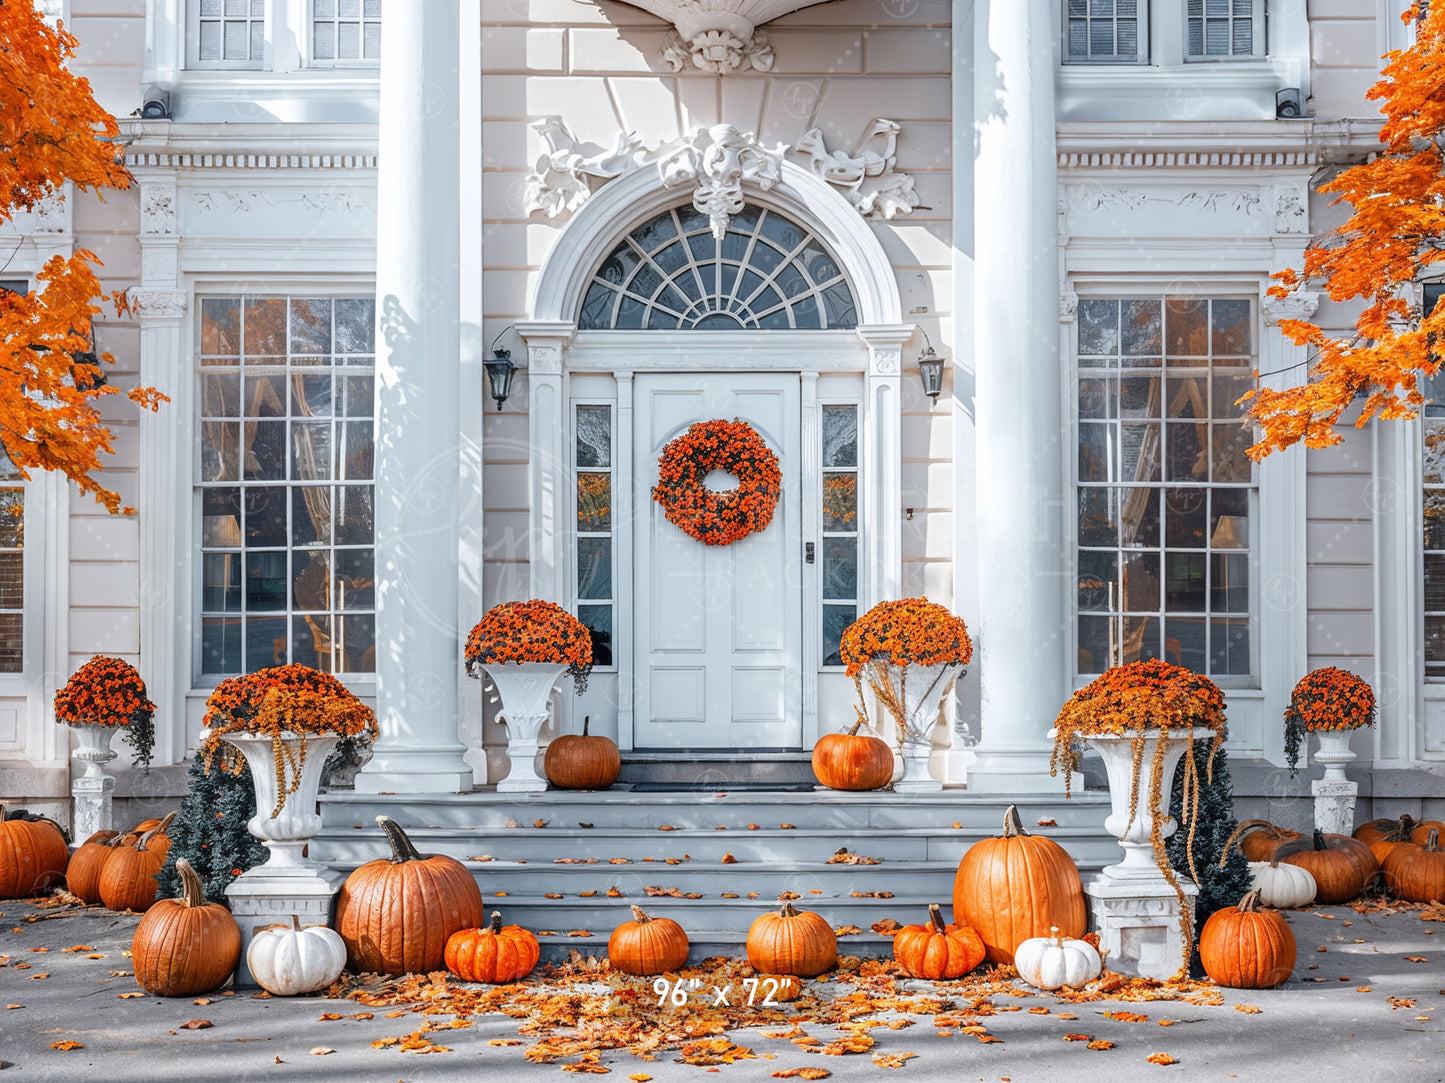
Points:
(1422, 831)
(647, 945)
(1373, 831)
(1244, 947)
(185, 946)
(1341, 866)
(33, 854)
(937, 951)
(582, 762)
(1017, 887)
(1417, 873)
(1259, 839)
(82, 875)
(852, 760)
(128, 877)
(396, 914)
(497, 954)
(792, 941)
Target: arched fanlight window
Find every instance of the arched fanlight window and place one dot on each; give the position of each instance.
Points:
(767, 273)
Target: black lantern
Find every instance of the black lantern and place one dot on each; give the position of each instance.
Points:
(930, 366)
(500, 371)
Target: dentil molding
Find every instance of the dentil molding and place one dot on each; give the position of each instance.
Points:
(717, 162)
(719, 36)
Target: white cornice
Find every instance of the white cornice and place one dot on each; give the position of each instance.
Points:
(170, 145)
(1265, 144)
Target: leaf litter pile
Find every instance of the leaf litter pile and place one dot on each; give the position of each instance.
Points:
(576, 1012)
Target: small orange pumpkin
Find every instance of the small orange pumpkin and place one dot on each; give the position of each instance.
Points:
(792, 941)
(647, 945)
(1372, 831)
(128, 877)
(185, 946)
(1244, 947)
(1341, 866)
(396, 914)
(82, 875)
(1422, 831)
(937, 951)
(497, 954)
(852, 760)
(1415, 872)
(33, 854)
(1259, 839)
(582, 762)
(1015, 888)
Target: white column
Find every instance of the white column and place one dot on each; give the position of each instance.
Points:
(549, 466)
(880, 535)
(418, 426)
(1021, 560)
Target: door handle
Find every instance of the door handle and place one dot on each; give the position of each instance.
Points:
(808, 553)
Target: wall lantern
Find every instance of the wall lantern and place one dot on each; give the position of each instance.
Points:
(930, 367)
(500, 371)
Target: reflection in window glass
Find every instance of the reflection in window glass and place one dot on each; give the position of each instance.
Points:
(12, 567)
(1166, 493)
(287, 565)
(839, 551)
(1433, 507)
(592, 460)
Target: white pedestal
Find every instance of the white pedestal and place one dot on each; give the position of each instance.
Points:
(1334, 794)
(91, 791)
(264, 896)
(916, 777)
(525, 689)
(1135, 910)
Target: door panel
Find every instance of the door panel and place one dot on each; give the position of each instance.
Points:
(719, 652)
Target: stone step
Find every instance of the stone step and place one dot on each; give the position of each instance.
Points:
(710, 770)
(570, 847)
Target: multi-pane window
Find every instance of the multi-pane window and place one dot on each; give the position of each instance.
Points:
(1106, 31)
(593, 459)
(12, 567)
(230, 33)
(285, 483)
(1224, 28)
(345, 30)
(671, 273)
(1433, 478)
(1166, 494)
(840, 526)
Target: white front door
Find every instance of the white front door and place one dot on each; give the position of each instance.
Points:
(718, 628)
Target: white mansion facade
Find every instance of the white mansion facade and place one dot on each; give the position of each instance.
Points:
(667, 211)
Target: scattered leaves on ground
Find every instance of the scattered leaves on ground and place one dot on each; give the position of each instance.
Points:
(66, 1046)
(1160, 1058)
(1247, 1009)
(197, 1024)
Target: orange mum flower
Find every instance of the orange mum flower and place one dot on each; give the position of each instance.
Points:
(1326, 699)
(531, 631)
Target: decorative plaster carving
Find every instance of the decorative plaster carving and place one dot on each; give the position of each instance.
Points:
(1188, 160)
(719, 36)
(328, 201)
(156, 304)
(1236, 199)
(570, 171)
(1299, 304)
(158, 263)
(867, 173)
(544, 360)
(1068, 306)
(885, 361)
(717, 161)
(1090, 196)
(719, 52)
(48, 215)
(157, 209)
(1291, 209)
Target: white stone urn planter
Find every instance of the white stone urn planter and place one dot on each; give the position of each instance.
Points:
(91, 790)
(1134, 833)
(1334, 794)
(287, 832)
(525, 691)
(923, 694)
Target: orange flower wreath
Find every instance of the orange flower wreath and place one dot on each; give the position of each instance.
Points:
(718, 518)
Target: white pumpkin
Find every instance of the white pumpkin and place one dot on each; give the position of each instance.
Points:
(1051, 961)
(1282, 886)
(286, 962)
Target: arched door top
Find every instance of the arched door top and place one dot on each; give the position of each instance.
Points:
(624, 204)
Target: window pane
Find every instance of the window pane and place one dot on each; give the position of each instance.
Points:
(594, 568)
(598, 619)
(594, 503)
(836, 619)
(1097, 573)
(355, 646)
(1184, 585)
(594, 436)
(265, 642)
(221, 582)
(221, 645)
(840, 436)
(840, 502)
(840, 568)
(12, 580)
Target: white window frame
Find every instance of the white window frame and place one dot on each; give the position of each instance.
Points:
(826, 402)
(1143, 39)
(1259, 36)
(1278, 630)
(193, 42)
(573, 550)
(313, 61)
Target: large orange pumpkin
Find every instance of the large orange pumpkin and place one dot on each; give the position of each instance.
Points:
(937, 951)
(647, 945)
(1423, 829)
(396, 914)
(1016, 887)
(128, 877)
(1259, 839)
(1341, 866)
(582, 762)
(82, 875)
(185, 946)
(497, 954)
(792, 941)
(33, 855)
(1372, 831)
(852, 760)
(1244, 947)
(1417, 873)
